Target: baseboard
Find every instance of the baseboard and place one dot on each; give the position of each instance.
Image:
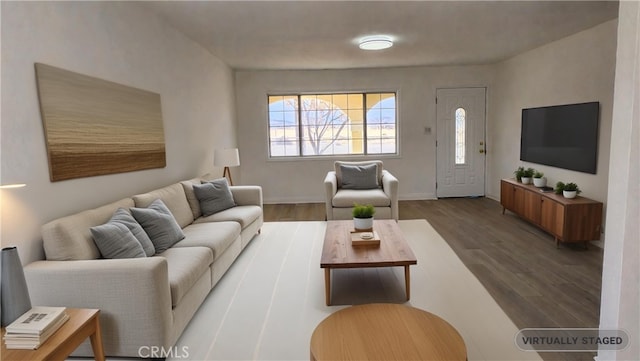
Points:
(291, 200)
(417, 197)
(303, 199)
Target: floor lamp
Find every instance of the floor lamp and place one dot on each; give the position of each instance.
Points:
(226, 158)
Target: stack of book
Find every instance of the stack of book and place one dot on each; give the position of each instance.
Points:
(30, 330)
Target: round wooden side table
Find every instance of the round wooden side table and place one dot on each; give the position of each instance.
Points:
(386, 332)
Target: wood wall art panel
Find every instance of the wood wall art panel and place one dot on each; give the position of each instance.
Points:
(95, 127)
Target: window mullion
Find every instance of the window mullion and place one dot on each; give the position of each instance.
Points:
(364, 124)
(300, 134)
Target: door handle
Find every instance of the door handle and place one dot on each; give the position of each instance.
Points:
(481, 151)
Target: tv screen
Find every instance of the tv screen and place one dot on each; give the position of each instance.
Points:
(563, 136)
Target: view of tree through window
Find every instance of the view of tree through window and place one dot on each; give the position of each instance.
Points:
(332, 124)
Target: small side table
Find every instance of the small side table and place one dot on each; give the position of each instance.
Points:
(82, 323)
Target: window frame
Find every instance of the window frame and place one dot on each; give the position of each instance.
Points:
(300, 137)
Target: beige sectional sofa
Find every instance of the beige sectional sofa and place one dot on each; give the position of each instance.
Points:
(144, 302)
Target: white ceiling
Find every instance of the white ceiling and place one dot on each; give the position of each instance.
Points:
(324, 34)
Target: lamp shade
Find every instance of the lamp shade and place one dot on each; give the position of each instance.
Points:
(14, 294)
(226, 157)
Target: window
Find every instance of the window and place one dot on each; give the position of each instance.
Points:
(461, 119)
(332, 124)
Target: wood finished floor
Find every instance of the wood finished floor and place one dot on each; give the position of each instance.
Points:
(536, 284)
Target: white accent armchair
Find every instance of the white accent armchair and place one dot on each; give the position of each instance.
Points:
(352, 182)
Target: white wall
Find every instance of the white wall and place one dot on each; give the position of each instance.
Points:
(301, 180)
(620, 303)
(118, 42)
(579, 68)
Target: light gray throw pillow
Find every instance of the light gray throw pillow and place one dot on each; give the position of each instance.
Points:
(160, 225)
(115, 240)
(122, 216)
(214, 196)
(359, 176)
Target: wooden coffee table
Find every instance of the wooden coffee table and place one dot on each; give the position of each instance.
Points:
(386, 332)
(337, 251)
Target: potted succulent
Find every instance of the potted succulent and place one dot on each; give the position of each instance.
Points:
(539, 180)
(527, 175)
(363, 217)
(518, 173)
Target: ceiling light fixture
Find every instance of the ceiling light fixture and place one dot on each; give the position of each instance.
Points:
(376, 42)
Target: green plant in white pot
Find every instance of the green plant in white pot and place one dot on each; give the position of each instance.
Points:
(363, 217)
(539, 180)
(527, 175)
(518, 173)
(570, 190)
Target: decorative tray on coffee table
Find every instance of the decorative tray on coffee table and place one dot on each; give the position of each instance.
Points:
(366, 238)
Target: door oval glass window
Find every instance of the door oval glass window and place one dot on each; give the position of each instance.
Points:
(460, 134)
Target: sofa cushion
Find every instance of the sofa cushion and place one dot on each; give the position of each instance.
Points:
(115, 240)
(194, 204)
(245, 215)
(173, 197)
(339, 163)
(347, 197)
(217, 236)
(69, 238)
(185, 267)
(359, 176)
(158, 222)
(123, 217)
(214, 196)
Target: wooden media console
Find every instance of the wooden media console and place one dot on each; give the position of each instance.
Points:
(568, 220)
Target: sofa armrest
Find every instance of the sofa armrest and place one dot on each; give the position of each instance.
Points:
(330, 188)
(390, 188)
(247, 195)
(133, 296)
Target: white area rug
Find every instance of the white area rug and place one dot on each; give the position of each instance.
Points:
(268, 304)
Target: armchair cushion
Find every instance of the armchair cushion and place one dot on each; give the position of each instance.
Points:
(359, 176)
(337, 165)
(347, 197)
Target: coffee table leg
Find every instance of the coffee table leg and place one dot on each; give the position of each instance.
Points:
(327, 285)
(407, 282)
(96, 341)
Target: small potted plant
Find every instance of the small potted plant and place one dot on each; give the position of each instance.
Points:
(559, 188)
(527, 175)
(539, 180)
(570, 190)
(363, 217)
(518, 173)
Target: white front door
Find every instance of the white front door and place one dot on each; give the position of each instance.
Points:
(460, 142)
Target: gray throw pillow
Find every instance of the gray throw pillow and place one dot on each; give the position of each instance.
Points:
(115, 240)
(359, 176)
(122, 216)
(160, 225)
(214, 196)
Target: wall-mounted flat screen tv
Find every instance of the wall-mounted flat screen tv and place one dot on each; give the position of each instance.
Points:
(563, 136)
